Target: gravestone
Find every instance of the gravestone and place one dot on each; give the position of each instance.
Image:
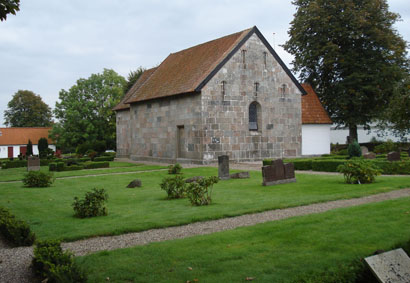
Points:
(33, 163)
(194, 179)
(364, 149)
(240, 175)
(289, 171)
(390, 267)
(135, 183)
(370, 155)
(223, 167)
(393, 156)
(275, 174)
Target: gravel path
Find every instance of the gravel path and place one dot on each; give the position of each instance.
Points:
(14, 262)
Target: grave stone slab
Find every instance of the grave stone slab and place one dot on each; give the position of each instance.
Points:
(135, 183)
(33, 163)
(364, 149)
(223, 167)
(393, 156)
(370, 155)
(390, 267)
(240, 175)
(193, 179)
(279, 169)
(289, 171)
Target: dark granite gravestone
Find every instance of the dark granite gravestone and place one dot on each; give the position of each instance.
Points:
(193, 179)
(223, 167)
(240, 175)
(135, 183)
(275, 174)
(33, 163)
(289, 171)
(370, 155)
(390, 267)
(393, 156)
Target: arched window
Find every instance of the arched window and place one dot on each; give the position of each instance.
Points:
(254, 116)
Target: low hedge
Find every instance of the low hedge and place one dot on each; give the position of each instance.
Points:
(60, 166)
(13, 164)
(94, 165)
(73, 167)
(329, 165)
(302, 164)
(15, 231)
(392, 168)
(104, 158)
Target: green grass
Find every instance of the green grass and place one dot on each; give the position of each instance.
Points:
(17, 174)
(281, 251)
(144, 208)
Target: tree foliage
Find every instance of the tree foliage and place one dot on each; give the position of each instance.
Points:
(42, 145)
(397, 114)
(29, 150)
(85, 110)
(350, 53)
(133, 76)
(8, 7)
(26, 109)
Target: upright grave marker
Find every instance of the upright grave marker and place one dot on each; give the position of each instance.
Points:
(223, 167)
(278, 173)
(33, 163)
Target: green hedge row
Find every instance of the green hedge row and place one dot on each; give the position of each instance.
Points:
(104, 158)
(330, 165)
(16, 231)
(13, 164)
(94, 165)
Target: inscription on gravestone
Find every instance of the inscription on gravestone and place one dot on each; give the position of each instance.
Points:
(33, 163)
(390, 267)
(223, 167)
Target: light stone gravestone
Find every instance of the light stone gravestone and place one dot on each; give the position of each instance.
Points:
(364, 149)
(33, 163)
(370, 155)
(223, 167)
(239, 175)
(390, 267)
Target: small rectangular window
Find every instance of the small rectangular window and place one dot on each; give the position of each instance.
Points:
(223, 83)
(265, 58)
(243, 51)
(256, 88)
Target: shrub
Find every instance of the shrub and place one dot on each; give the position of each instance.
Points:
(46, 162)
(174, 186)
(104, 158)
(91, 205)
(200, 192)
(359, 171)
(38, 179)
(73, 168)
(51, 264)
(91, 154)
(267, 162)
(99, 146)
(327, 165)
(93, 165)
(52, 166)
(302, 164)
(13, 164)
(354, 150)
(60, 166)
(82, 148)
(386, 147)
(174, 169)
(42, 145)
(397, 167)
(15, 231)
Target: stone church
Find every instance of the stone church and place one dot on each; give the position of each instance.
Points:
(229, 96)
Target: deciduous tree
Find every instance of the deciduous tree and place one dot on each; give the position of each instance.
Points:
(350, 52)
(8, 7)
(26, 109)
(85, 110)
(133, 76)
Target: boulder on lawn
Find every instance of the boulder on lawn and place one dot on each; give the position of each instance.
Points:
(135, 183)
(194, 179)
(240, 175)
(393, 156)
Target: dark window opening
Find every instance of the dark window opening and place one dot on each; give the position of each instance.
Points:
(243, 56)
(283, 90)
(253, 117)
(256, 88)
(223, 89)
(265, 57)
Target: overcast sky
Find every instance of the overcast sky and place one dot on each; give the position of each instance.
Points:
(50, 44)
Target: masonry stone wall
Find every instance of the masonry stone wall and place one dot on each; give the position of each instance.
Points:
(226, 111)
(167, 129)
(122, 133)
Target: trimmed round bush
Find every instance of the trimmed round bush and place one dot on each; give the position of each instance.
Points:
(38, 179)
(354, 150)
(358, 171)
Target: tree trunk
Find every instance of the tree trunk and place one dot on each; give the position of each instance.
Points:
(352, 134)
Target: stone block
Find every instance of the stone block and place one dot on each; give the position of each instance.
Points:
(393, 156)
(223, 167)
(364, 149)
(194, 179)
(135, 183)
(240, 175)
(389, 267)
(370, 155)
(33, 163)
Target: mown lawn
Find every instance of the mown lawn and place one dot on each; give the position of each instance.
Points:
(50, 215)
(282, 251)
(17, 174)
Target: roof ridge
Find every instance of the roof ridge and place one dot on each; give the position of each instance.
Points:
(150, 75)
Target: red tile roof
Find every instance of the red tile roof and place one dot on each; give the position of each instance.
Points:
(312, 109)
(141, 80)
(20, 136)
